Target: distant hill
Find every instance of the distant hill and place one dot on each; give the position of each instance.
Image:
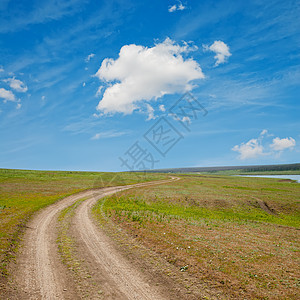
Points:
(236, 169)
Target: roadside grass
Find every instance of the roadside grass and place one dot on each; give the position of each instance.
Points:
(237, 234)
(23, 192)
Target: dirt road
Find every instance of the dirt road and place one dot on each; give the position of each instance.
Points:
(40, 274)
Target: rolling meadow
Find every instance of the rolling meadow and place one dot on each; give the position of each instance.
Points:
(23, 192)
(238, 235)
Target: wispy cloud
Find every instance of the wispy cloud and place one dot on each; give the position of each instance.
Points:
(177, 6)
(46, 11)
(99, 90)
(204, 15)
(52, 76)
(247, 89)
(44, 60)
(89, 57)
(108, 134)
(82, 126)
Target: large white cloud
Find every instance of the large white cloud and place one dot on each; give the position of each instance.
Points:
(17, 85)
(282, 144)
(7, 95)
(221, 50)
(251, 149)
(142, 74)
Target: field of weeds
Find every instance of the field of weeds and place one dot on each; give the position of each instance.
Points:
(24, 192)
(238, 235)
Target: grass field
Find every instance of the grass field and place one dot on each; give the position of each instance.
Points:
(240, 235)
(24, 192)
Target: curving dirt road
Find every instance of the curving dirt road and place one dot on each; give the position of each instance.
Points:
(40, 274)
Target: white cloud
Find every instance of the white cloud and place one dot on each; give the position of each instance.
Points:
(100, 88)
(172, 8)
(16, 84)
(1, 69)
(252, 149)
(108, 134)
(282, 144)
(144, 74)
(265, 131)
(96, 115)
(89, 57)
(221, 50)
(7, 95)
(186, 119)
(96, 136)
(19, 105)
(175, 7)
(255, 147)
(162, 108)
(150, 111)
(43, 98)
(84, 84)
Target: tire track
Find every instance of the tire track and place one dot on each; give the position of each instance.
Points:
(39, 273)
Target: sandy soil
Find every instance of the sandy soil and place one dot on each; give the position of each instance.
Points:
(39, 273)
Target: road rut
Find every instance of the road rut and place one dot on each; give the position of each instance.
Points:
(39, 272)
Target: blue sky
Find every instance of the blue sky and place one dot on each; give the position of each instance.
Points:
(85, 84)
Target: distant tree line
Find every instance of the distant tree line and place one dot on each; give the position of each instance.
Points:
(256, 168)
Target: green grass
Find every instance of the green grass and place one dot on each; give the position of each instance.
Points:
(66, 244)
(137, 209)
(240, 234)
(23, 192)
(225, 198)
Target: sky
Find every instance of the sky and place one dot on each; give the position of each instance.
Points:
(130, 85)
